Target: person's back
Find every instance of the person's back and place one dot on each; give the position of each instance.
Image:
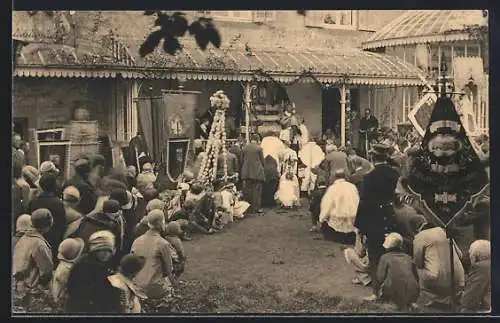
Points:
(477, 293)
(80, 181)
(398, 277)
(337, 160)
(431, 254)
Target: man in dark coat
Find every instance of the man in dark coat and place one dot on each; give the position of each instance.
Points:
(368, 126)
(48, 200)
(375, 216)
(252, 174)
(81, 182)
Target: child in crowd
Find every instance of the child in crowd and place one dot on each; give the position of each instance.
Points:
(288, 193)
(477, 294)
(143, 226)
(130, 294)
(397, 275)
(358, 258)
(23, 225)
(173, 235)
(69, 252)
(32, 263)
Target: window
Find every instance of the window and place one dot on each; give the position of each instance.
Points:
(472, 50)
(241, 15)
(332, 19)
(264, 15)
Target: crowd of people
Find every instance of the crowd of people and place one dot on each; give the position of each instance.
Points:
(107, 238)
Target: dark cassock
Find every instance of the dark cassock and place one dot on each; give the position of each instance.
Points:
(272, 179)
(137, 148)
(375, 216)
(368, 126)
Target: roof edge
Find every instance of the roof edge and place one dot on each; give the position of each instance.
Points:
(417, 40)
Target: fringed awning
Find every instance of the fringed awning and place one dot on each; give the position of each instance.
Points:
(353, 66)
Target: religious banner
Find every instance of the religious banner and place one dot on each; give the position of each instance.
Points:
(179, 129)
(446, 175)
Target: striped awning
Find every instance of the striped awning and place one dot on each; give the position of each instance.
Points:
(327, 66)
(427, 26)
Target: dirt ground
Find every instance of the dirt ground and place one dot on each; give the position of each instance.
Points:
(276, 254)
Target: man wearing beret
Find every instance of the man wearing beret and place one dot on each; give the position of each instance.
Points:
(375, 216)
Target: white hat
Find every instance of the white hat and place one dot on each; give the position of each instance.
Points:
(393, 240)
(48, 166)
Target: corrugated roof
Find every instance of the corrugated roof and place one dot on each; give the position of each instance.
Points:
(422, 26)
(230, 64)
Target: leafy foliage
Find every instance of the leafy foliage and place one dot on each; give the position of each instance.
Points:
(173, 26)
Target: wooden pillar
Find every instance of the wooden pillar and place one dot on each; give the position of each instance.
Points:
(134, 116)
(342, 115)
(248, 100)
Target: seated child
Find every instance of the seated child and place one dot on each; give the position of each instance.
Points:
(288, 191)
(142, 226)
(23, 225)
(173, 234)
(130, 294)
(182, 217)
(396, 274)
(358, 258)
(69, 252)
(477, 294)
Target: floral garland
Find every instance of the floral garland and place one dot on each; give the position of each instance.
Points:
(216, 140)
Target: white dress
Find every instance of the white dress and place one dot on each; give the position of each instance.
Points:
(339, 206)
(288, 191)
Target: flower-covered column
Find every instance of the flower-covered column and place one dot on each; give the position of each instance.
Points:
(216, 140)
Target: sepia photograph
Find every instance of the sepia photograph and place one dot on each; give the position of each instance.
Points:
(263, 162)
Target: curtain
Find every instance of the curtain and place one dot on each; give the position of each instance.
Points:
(151, 112)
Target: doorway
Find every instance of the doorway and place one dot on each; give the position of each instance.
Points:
(331, 110)
(20, 126)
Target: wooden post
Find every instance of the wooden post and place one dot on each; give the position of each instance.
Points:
(247, 111)
(342, 115)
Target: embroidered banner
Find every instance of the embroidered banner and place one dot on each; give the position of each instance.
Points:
(446, 174)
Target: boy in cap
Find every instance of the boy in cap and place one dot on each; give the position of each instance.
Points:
(142, 226)
(48, 167)
(23, 225)
(81, 181)
(131, 296)
(32, 263)
(156, 278)
(69, 252)
(146, 178)
(173, 235)
(48, 199)
(88, 287)
(397, 275)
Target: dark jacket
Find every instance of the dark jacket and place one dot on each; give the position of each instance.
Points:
(271, 169)
(89, 290)
(397, 277)
(315, 204)
(88, 197)
(375, 212)
(253, 163)
(477, 292)
(97, 222)
(56, 207)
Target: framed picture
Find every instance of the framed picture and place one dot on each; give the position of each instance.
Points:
(59, 152)
(50, 134)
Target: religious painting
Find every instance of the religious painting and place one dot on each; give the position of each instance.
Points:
(447, 174)
(180, 113)
(59, 152)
